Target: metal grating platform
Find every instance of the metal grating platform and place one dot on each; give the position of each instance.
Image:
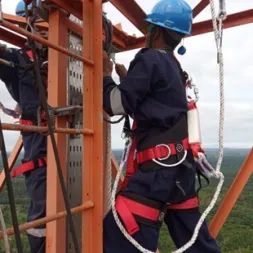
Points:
(74, 152)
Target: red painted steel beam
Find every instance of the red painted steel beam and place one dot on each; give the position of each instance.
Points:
(75, 7)
(119, 38)
(200, 7)
(236, 19)
(22, 21)
(133, 12)
(45, 42)
(11, 38)
(68, 7)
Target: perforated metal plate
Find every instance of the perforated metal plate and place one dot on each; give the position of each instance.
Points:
(74, 152)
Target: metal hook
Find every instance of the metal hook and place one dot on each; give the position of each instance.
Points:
(192, 85)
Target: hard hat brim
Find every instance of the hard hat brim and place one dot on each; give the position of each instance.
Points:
(167, 27)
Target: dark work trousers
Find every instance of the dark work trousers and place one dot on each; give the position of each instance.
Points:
(36, 188)
(160, 185)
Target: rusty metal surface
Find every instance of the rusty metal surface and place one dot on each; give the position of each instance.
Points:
(74, 142)
(232, 20)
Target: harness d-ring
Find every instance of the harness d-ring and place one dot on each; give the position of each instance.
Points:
(169, 151)
(164, 158)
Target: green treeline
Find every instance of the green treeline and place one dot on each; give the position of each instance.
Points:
(235, 237)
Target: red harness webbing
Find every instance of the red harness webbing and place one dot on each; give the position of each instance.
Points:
(28, 166)
(127, 208)
(159, 152)
(30, 122)
(188, 204)
(30, 54)
(131, 165)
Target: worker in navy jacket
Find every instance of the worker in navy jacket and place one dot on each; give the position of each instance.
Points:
(160, 180)
(21, 86)
(20, 81)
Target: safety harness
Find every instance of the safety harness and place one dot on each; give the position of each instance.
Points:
(133, 208)
(28, 120)
(152, 155)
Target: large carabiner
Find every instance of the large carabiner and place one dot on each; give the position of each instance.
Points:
(192, 85)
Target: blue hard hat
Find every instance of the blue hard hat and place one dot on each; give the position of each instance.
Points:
(175, 15)
(20, 8)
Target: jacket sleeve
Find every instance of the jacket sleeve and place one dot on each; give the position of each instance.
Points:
(125, 98)
(7, 73)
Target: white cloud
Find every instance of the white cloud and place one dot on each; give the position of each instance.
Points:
(200, 61)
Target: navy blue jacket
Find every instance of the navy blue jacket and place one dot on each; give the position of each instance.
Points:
(21, 86)
(152, 92)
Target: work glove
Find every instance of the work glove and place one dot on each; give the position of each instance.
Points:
(121, 70)
(107, 65)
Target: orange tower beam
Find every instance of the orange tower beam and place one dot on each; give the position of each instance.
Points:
(232, 20)
(232, 195)
(92, 225)
(133, 12)
(200, 7)
(56, 231)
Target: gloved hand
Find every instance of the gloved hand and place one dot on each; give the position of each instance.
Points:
(107, 65)
(121, 70)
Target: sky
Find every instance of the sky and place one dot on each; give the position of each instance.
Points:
(200, 62)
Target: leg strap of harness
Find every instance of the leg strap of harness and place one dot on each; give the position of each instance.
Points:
(134, 209)
(29, 166)
(188, 204)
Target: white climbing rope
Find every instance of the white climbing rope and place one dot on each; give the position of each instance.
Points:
(5, 235)
(109, 167)
(218, 174)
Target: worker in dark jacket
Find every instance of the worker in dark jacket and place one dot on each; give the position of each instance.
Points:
(21, 84)
(160, 177)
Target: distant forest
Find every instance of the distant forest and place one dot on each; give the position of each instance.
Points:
(235, 237)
